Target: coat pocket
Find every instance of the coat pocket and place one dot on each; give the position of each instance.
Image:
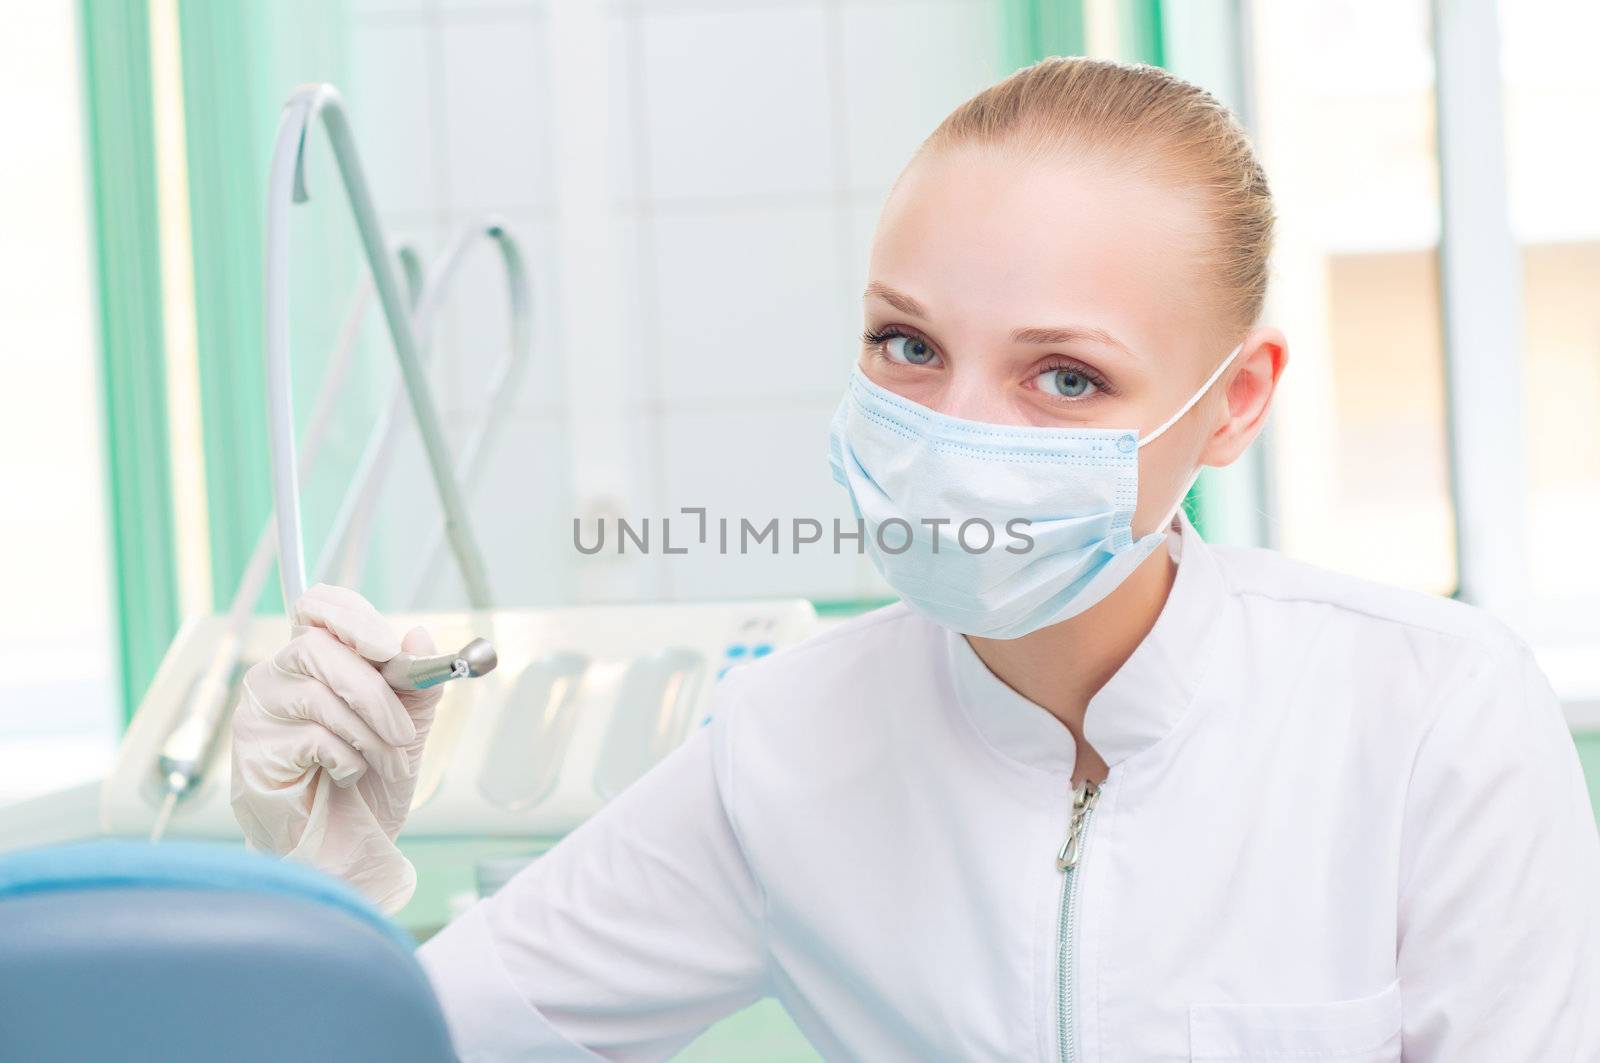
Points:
(1361, 1030)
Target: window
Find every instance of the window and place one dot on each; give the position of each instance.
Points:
(58, 681)
(1551, 89)
(1358, 474)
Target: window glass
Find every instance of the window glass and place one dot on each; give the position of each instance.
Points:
(1358, 475)
(58, 690)
(1552, 93)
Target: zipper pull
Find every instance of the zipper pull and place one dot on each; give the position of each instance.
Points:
(1083, 799)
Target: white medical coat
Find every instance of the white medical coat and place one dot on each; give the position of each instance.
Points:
(1343, 822)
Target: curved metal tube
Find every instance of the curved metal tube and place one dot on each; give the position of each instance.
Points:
(287, 185)
(347, 537)
(343, 559)
(502, 392)
(187, 749)
(260, 564)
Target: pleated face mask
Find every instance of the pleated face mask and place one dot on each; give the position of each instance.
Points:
(991, 529)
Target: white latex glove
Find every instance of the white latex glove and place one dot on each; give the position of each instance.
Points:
(325, 753)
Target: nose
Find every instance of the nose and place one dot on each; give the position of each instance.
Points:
(973, 396)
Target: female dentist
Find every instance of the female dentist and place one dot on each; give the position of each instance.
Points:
(1112, 794)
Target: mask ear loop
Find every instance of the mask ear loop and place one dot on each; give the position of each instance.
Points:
(1166, 522)
(1196, 397)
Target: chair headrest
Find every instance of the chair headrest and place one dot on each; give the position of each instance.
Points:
(117, 864)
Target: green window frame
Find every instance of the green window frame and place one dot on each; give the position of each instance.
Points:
(227, 199)
(1033, 29)
(119, 128)
(237, 57)
(241, 58)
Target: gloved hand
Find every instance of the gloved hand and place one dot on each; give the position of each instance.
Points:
(325, 753)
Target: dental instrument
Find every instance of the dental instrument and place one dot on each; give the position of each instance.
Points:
(192, 743)
(410, 671)
(502, 392)
(344, 557)
(287, 186)
(585, 701)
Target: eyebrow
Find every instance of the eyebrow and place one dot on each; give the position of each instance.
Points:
(1037, 334)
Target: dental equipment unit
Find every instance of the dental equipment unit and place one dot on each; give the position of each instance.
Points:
(575, 701)
(343, 559)
(190, 746)
(287, 185)
(193, 741)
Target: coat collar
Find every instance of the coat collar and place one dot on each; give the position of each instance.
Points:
(1144, 700)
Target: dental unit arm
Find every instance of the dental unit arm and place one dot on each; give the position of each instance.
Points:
(189, 747)
(286, 186)
(583, 698)
(344, 557)
(502, 392)
(192, 743)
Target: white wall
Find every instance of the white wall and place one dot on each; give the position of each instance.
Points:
(747, 147)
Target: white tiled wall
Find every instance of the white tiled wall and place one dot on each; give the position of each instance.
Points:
(751, 144)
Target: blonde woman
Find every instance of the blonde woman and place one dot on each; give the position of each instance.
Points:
(1099, 791)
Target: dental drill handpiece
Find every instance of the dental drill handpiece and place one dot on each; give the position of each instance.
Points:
(410, 671)
(189, 748)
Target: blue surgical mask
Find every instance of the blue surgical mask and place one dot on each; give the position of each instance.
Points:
(991, 529)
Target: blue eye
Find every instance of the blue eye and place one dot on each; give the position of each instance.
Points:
(908, 350)
(1067, 383)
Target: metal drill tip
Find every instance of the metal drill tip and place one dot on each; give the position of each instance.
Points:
(479, 656)
(407, 671)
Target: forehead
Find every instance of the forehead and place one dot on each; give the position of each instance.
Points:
(988, 243)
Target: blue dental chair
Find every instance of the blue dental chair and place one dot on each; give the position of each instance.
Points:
(117, 950)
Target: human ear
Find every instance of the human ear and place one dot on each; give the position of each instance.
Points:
(1249, 390)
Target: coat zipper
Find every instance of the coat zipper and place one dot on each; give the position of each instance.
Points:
(1067, 860)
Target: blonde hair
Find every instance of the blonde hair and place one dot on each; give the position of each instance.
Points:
(1145, 119)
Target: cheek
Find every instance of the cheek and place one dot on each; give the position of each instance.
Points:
(1164, 470)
